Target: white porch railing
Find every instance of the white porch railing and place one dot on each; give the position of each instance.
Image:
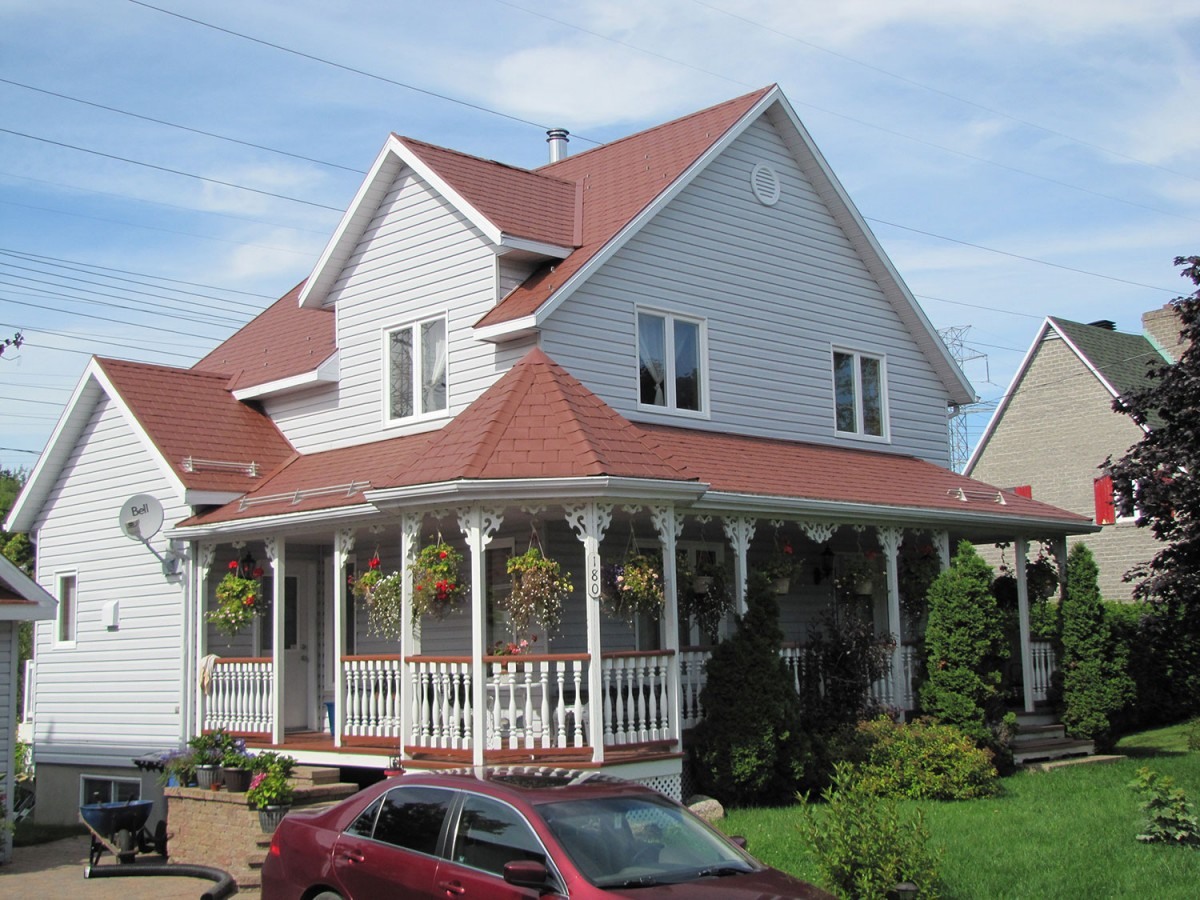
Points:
(239, 695)
(1044, 665)
(372, 699)
(884, 690)
(691, 681)
(636, 697)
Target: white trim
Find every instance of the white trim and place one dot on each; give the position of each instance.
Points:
(519, 489)
(272, 524)
(42, 604)
(211, 498)
(327, 372)
(507, 331)
(525, 246)
(56, 640)
(860, 434)
(388, 421)
(671, 407)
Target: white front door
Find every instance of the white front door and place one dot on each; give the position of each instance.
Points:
(299, 603)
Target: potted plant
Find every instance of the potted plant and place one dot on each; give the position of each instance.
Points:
(239, 598)
(707, 607)
(208, 750)
(856, 575)
(634, 587)
(235, 764)
(539, 587)
(780, 568)
(384, 604)
(271, 791)
(366, 582)
(438, 588)
(179, 769)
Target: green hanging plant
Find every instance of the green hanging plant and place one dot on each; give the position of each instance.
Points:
(438, 586)
(239, 599)
(539, 588)
(634, 587)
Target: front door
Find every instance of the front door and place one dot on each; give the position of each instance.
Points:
(299, 601)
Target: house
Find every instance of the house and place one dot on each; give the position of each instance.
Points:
(21, 600)
(1055, 427)
(686, 340)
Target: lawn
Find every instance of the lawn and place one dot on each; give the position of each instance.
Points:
(1066, 833)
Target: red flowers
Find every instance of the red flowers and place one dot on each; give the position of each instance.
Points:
(258, 572)
(233, 565)
(442, 554)
(373, 562)
(249, 601)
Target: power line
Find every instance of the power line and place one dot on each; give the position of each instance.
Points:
(85, 315)
(212, 321)
(80, 336)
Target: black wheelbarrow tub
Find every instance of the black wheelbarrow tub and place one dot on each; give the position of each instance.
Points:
(109, 818)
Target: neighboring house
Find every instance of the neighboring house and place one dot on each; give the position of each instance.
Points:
(1055, 427)
(21, 600)
(686, 339)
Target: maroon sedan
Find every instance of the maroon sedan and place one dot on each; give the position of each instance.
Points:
(512, 833)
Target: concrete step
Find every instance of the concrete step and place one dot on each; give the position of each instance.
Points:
(316, 775)
(1075, 761)
(1037, 717)
(1051, 750)
(1036, 734)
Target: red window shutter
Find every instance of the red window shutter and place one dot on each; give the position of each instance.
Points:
(1106, 512)
(1024, 490)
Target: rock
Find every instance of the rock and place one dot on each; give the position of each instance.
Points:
(706, 807)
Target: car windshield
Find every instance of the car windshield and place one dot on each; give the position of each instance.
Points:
(640, 841)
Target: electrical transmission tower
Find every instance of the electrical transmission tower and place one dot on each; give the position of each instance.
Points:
(960, 443)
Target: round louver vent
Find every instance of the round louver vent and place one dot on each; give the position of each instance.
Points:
(765, 184)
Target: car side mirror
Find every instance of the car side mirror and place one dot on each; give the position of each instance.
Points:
(738, 841)
(527, 873)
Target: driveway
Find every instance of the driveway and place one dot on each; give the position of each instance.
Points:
(55, 870)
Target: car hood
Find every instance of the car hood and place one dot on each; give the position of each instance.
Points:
(766, 885)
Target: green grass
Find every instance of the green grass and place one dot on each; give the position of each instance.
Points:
(1069, 833)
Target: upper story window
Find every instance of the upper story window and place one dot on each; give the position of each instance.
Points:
(860, 394)
(65, 625)
(670, 362)
(416, 370)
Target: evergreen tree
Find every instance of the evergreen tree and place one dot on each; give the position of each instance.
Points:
(1096, 685)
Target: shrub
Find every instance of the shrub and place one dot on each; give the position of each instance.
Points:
(749, 749)
(1095, 684)
(920, 761)
(1170, 819)
(864, 846)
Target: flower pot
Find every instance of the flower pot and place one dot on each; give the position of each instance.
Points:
(269, 817)
(237, 780)
(701, 584)
(864, 586)
(781, 585)
(207, 776)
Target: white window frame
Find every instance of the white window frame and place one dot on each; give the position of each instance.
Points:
(112, 780)
(72, 609)
(670, 318)
(885, 418)
(419, 415)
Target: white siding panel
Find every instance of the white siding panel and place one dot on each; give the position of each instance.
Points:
(418, 258)
(777, 286)
(113, 694)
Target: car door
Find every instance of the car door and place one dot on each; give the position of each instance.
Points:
(391, 849)
(488, 833)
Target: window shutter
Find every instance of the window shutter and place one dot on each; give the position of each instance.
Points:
(1106, 512)
(1024, 490)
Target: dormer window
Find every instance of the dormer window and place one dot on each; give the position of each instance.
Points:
(670, 362)
(416, 370)
(860, 396)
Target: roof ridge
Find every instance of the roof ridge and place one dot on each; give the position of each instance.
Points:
(409, 141)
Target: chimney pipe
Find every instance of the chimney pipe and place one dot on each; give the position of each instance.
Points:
(557, 138)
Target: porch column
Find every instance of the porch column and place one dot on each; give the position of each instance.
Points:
(739, 531)
(1021, 551)
(343, 546)
(205, 554)
(890, 539)
(410, 528)
(589, 521)
(669, 524)
(275, 548)
(941, 543)
(479, 525)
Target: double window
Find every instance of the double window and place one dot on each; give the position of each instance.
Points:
(859, 394)
(416, 370)
(670, 362)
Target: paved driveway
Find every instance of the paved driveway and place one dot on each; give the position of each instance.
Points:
(55, 870)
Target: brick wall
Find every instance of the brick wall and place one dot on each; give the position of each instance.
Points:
(1057, 429)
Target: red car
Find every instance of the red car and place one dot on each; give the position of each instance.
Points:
(512, 833)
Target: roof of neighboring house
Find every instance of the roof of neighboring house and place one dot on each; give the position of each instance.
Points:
(22, 598)
(282, 341)
(1120, 359)
(539, 422)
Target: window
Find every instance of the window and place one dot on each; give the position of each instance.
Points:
(670, 362)
(491, 834)
(412, 818)
(98, 789)
(65, 626)
(416, 370)
(860, 403)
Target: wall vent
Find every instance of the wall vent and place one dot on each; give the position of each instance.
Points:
(765, 184)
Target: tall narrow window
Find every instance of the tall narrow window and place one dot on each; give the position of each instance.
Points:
(66, 609)
(860, 403)
(670, 362)
(416, 370)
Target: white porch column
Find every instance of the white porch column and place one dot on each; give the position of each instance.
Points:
(275, 549)
(890, 539)
(941, 543)
(410, 527)
(669, 525)
(739, 531)
(479, 526)
(589, 521)
(1021, 552)
(343, 546)
(204, 556)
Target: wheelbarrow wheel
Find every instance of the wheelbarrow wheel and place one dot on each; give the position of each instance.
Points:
(126, 842)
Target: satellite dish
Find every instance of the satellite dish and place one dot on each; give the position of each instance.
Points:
(141, 517)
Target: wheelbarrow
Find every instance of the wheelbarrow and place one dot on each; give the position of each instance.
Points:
(120, 828)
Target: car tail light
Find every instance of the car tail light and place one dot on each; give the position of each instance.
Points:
(274, 850)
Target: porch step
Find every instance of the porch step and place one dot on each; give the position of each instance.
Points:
(311, 775)
(1038, 734)
(1037, 751)
(1076, 761)
(1037, 717)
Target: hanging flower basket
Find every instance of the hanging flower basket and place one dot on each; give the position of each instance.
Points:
(539, 588)
(438, 587)
(634, 587)
(384, 606)
(780, 568)
(239, 600)
(366, 582)
(709, 600)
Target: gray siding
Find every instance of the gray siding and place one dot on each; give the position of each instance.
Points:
(84, 691)
(778, 286)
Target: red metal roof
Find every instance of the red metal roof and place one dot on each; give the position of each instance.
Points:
(192, 414)
(282, 341)
(620, 180)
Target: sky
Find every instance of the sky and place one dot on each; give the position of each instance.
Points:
(170, 167)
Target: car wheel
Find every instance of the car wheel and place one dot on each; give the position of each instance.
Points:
(328, 895)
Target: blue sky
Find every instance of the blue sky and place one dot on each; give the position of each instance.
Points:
(1015, 158)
